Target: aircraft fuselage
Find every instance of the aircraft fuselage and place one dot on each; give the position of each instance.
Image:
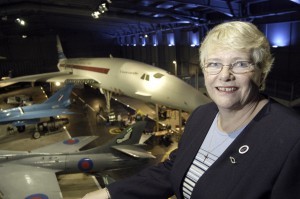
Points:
(70, 163)
(137, 80)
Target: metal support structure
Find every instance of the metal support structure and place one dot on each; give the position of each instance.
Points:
(156, 117)
(180, 121)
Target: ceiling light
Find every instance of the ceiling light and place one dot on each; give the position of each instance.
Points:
(102, 8)
(20, 21)
(296, 1)
(96, 14)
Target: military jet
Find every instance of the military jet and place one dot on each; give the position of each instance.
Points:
(56, 105)
(32, 174)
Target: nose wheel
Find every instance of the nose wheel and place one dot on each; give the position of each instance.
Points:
(36, 135)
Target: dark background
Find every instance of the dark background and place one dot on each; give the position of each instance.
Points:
(171, 26)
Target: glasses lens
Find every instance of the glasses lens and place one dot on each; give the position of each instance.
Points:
(241, 67)
(213, 67)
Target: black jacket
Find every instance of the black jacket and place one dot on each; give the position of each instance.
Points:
(269, 169)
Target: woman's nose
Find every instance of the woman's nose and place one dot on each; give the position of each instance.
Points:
(226, 73)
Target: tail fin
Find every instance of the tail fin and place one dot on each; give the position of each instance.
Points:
(126, 142)
(62, 96)
(130, 135)
(60, 52)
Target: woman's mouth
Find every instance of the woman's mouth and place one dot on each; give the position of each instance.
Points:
(227, 89)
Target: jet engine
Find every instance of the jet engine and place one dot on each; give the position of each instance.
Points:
(48, 127)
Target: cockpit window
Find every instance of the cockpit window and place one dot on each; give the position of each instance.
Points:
(158, 75)
(145, 77)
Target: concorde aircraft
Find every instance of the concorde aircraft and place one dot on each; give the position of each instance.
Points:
(124, 76)
(57, 104)
(32, 174)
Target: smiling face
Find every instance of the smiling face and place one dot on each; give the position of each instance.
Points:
(229, 90)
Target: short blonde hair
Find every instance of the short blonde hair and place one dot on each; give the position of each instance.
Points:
(240, 35)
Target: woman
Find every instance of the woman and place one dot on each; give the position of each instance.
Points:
(242, 146)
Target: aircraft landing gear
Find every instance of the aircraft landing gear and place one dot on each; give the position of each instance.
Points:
(49, 127)
(10, 130)
(21, 129)
(36, 135)
(107, 94)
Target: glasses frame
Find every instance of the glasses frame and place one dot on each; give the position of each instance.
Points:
(230, 67)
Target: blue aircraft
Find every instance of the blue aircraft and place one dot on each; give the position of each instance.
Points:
(57, 104)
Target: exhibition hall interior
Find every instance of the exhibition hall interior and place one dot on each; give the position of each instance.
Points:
(93, 91)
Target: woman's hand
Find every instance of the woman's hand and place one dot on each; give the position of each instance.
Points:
(99, 194)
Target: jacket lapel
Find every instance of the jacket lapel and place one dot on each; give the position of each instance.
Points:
(189, 147)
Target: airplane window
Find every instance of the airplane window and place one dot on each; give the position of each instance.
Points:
(145, 77)
(158, 75)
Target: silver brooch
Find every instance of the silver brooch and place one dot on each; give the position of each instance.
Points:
(243, 149)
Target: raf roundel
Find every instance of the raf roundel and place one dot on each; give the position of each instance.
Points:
(85, 164)
(71, 141)
(37, 196)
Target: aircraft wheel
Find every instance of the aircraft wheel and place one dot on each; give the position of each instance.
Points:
(21, 128)
(10, 130)
(36, 135)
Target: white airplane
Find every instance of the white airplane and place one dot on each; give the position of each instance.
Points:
(123, 76)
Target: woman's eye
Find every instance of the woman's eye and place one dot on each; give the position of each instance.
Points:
(241, 64)
(214, 65)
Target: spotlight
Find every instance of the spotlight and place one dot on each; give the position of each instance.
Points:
(102, 8)
(20, 21)
(57, 83)
(96, 14)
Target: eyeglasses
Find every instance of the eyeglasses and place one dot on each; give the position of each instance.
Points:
(238, 67)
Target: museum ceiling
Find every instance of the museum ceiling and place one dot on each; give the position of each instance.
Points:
(114, 18)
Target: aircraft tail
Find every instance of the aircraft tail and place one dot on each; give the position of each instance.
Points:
(130, 135)
(62, 96)
(127, 142)
(60, 52)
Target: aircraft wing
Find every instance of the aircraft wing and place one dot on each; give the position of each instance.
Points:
(66, 146)
(37, 114)
(45, 77)
(133, 151)
(2, 84)
(143, 94)
(21, 181)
